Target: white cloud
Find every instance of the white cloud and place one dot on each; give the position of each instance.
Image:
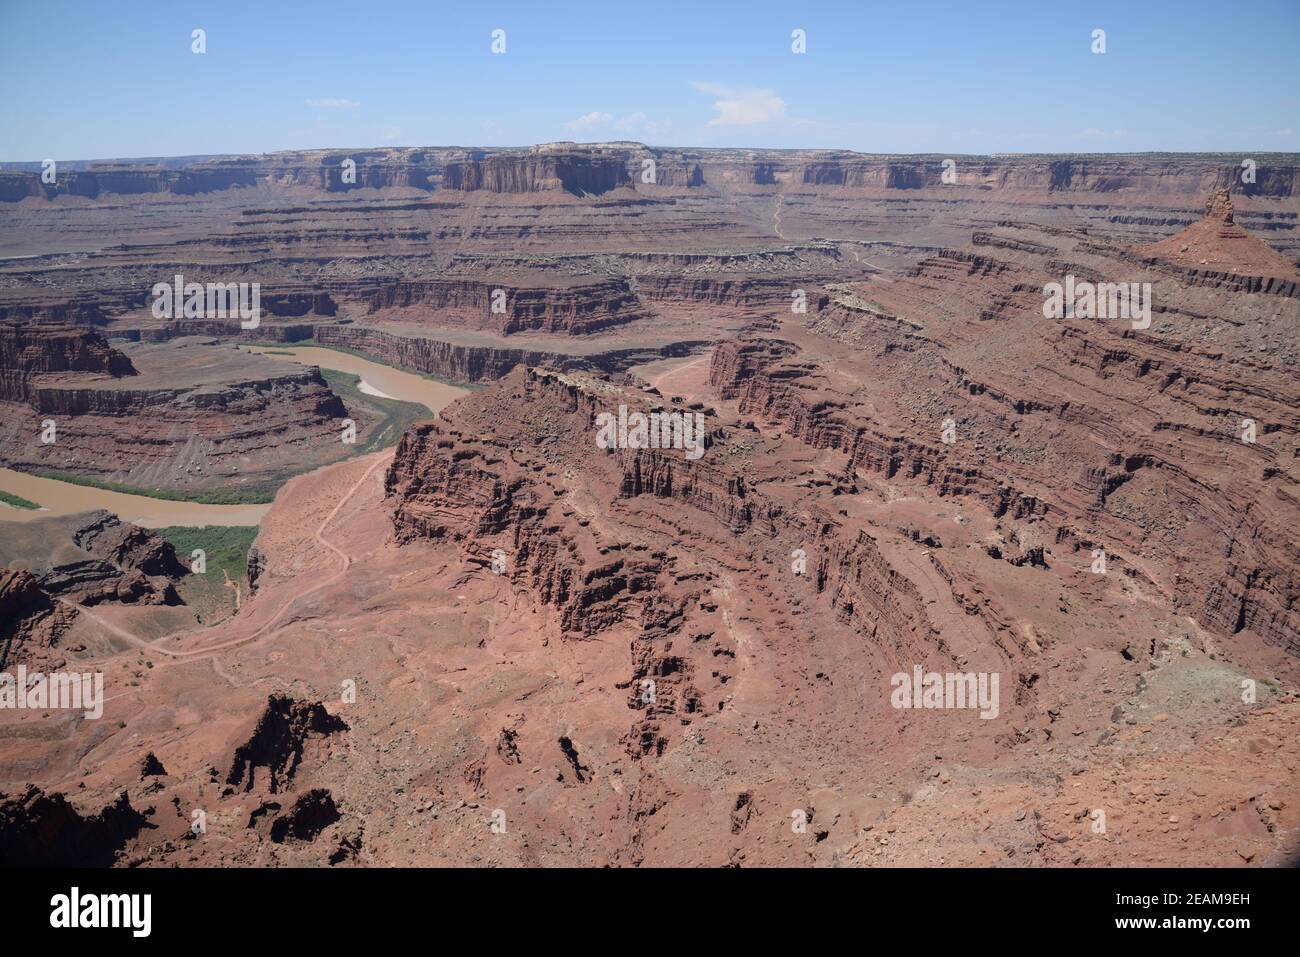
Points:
(590, 121)
(633, 124)
(391, 134)
(742, 105)
(332, 104)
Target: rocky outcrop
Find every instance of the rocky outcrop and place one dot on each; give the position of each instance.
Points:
(445, 489)
(15, 187)
(84, 559)
(280, 332)
(28, 351)
(1217, 252)
(45, 830)
(735, 364)
(93, 582)
(752, 372)
(32, 349)
(1046, 174)
(311, 813)
(446, 485)
(70, 398)
(684, 173)
(151, 767)
(31, 621)
(257, 567)
(284, 733)
(125, 180)
(129, 546)
(123, 563)
(902, 175)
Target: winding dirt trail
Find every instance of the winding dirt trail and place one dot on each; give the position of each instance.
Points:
(228, 583)
(866, 262)
(199, 653)
(776, 216)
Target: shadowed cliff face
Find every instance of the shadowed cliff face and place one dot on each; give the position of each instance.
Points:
(27, 351)
(44, 830)
(278, 741)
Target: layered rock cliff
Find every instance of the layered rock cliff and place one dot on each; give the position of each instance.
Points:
(575, 309)
(578, 173)
(507, 492)
(1056, 448)
(28, 351)
(185, 414)
(598, 168)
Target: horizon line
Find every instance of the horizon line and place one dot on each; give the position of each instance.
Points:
(636, 143)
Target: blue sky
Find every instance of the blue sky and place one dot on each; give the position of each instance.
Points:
(91, 80)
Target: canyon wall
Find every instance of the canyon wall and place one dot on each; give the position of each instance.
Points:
(598, 168)
(29, 351)
(577, 173)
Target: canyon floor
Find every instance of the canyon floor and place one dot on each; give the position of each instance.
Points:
(480, 637)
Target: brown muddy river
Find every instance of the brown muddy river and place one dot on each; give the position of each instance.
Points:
(376, 379)
(66, 498)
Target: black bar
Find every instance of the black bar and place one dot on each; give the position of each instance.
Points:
(333, 906)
